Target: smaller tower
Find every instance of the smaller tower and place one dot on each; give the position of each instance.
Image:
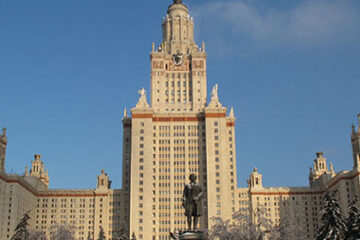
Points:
(255, 180)
(3, 144)
(320, 166)
(103, 181)
(355, 143)
(320, 174)
(38, 170)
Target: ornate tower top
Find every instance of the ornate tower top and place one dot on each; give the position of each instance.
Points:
(38, 170)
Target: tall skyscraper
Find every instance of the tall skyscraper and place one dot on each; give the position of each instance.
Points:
(181, 131)
(177, 134)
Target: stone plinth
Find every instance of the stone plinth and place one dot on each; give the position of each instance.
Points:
(192, 235)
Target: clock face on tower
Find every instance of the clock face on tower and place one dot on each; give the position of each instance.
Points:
(177, 59)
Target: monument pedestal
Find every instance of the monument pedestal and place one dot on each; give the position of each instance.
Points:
(192, 235)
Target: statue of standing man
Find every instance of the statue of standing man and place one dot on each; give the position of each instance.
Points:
(192, 201)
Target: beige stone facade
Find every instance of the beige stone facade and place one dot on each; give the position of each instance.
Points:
(181, 131)
(85, 210)
(175, 135)
(300, 206)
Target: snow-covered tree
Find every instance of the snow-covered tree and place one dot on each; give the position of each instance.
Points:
(63, 232)
(332, 226)
(21, 231)
(101, 234)
(353, 221)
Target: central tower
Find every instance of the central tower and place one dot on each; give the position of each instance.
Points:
(177, 134)
(178, 65)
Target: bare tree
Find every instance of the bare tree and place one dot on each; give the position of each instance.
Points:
(101, 234)
(37, 235)
(123, 233)
(243, 227)
(63, 232)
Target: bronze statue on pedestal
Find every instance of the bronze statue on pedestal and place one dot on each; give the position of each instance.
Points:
(192, 202)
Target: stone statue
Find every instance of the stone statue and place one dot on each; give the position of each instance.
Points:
(142, 103)
(192, 201)
(214, 92)
(142, 92)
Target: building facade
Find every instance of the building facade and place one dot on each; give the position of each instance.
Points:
(85, 211)
(176, 134)
(179, 132)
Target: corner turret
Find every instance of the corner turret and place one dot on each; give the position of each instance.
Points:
(103, 181)
(255, 180)
(37, 170)
(320, 173)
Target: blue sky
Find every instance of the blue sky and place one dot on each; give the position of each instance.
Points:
(290, 69)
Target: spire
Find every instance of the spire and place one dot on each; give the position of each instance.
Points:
(178, 30)
(125, 113)
(26, 173)
(4, 132)
(231, 112)
(3, 144)
(353, 129)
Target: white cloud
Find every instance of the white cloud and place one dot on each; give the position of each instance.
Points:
(308, 23)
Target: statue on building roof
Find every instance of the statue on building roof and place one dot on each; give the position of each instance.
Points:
(214, 101)
(142, 103)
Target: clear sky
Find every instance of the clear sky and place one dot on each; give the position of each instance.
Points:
(290, 69)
